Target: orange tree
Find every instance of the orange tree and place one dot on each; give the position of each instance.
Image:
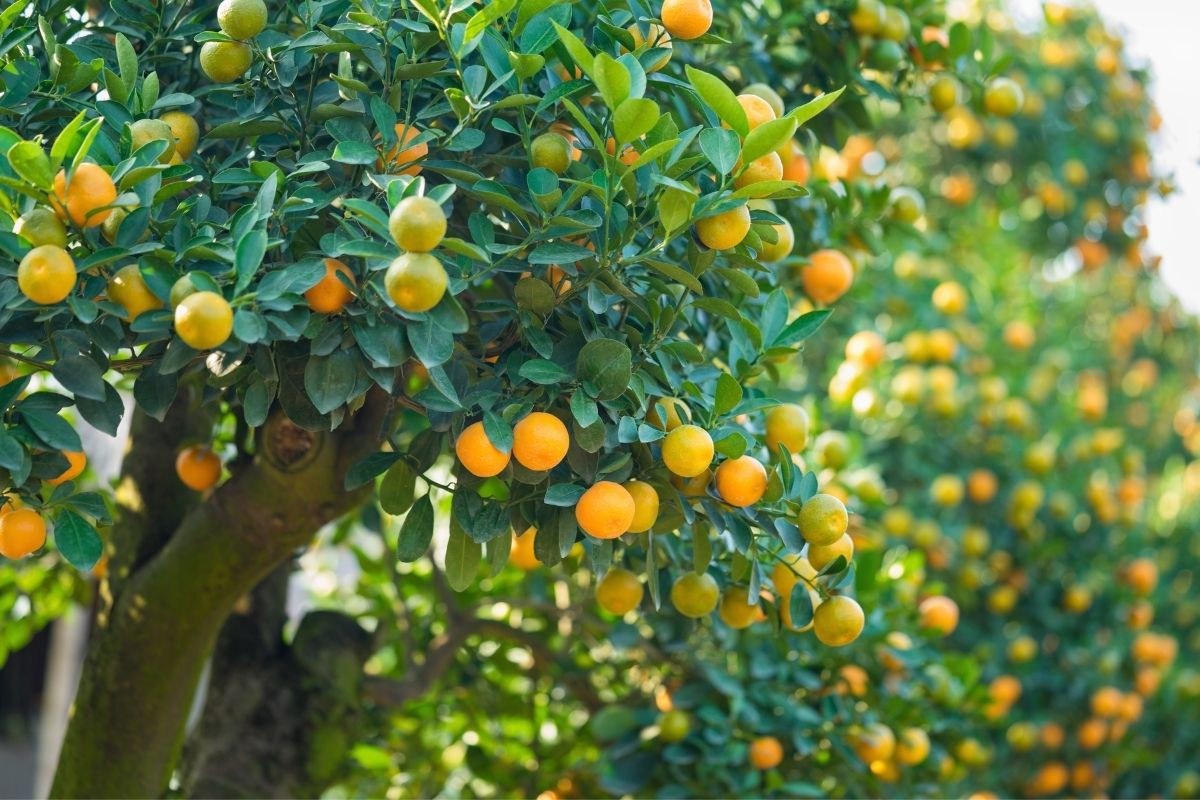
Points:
(513, 262)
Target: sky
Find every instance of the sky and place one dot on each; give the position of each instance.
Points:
(1163, 34)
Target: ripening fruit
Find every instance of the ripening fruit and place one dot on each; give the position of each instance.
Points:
(982, 485)
(22, 532)
(821, 556)
(403, 153)
(688, 450)
(1142, 576)
(757, 109)
(943, 93)
(796, 166)
(770, 95)
(896, 25)
(946, 490)
(128, 289)
(1106, 701)
(827, 276)
(950, 298)
(645, 506)
(198, 467)
(785, 242)
(906, 204)
(823, 519)
(695, 594)
(787, 424)
(1005, 690)
(741, 481)
(331, 294)
(766, 752)
(225, 62)
(144, 131)
(668, 413)
(521, 554)
(619, 591)
(418, 224)
(606, 510)
(726, 230)
(786, 575)
(875, 742)
(1003, 97)
(686, 19)
(865, 348)
(736, 610)
(838, 620)
(40, 226)
(185, 131)
(76, 462)
(939, 613)
(868, 17)
(46, 274)
(540, 441)
(203, 320)
(416, 282)
(90, 189)
(763, 168)
(242, 19)
(477, 454)
(674, 725)
(551, 151)
(912, 747)
(657, 38)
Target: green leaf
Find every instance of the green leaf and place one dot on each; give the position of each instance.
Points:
(77, 540)
(675, 208)
(543, 372)
(351, 152)
(634, 118)
(52, 429)
(249, 255)
(729, 394)
(813, 107)
(491, 12)
(398, 488)
(563, 494)
(604, 366)
(127, 63)
(12, 454)
(462, 558)
(498, 431)
(677, 274)
(246, 129)
(576, 49)
(721, 148)
(612, 79)
(720, 98)
(701, 549)
(31, 163)
(767, 138)
(330, 380)
(802, 327)
(417, 531)
(365, 469)
(800, 605)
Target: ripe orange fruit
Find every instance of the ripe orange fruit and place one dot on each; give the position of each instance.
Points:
(89, 189)
(330, 295)
(540, 441)
(688, 450)
(766, 752)
(785, 242)
(693, 487)
(821, 556)
(757, 109)
(76, 462)
(668, 413)
(40, 226)
(695, 594)
(741, 481)
(912, 747)
(855, 679)
(736, 610)
(46, 274)
(1004, 690)
(950, 298)
(225, 62)
(686, 19)
(1003, 97)
(838, 620)
(726, 230)
(982, 485)
(1142, 576)
(198, 467)
(22, 531)
(1106, 701)
(128, 289)
(522, 554)
(823, 519)
(418, 224)
(1050, 779)
(416, 282)
(827, 276)
(477, 454)
(204, 320)
(242, 19)
(645, 506)
(875, 742)
(763, 168)
(865, 348)
(1092, 733)
(787, 424)
(619, 591)
(185, 130)
(939, 613)
(606, 510)
(551, 151)
(402, 153)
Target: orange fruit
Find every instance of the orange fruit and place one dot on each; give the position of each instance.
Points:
(540, 441)
(225, 62)
(204, 320)
(1003, 97)
(144, 131)
(185, 130)
(855, 679)
(757, 109)
(40, 226)
(416, 282)
(912, 747)
(551, 151)
(827, 276)
(763, 168)
(1106, 701)
(686, 19)
(823, 519)
(770, 95)
(22, 532)
(198, 467)
(477, 454)
(619, 591)
(645, 506)
(242, 19)
(766, 752)
(76, 462)
(865, 348)
(943, 93)
(668, 413)
(820, 556)
(89, 189)
(1092, 733)
(736, 610)
(1005, 690)
(726, 230)
(787, 424)
(875, 742)
(741, 481)
(330, 295)
(688, 450)
(838, 621)
(695, 594)
(949, 297)
(605, 510)
(1050, 779)
(797, 168)
(1142, 576)
(46, 274)
(522, 554)
(418, 224)
(939, 613)
(128, 289)
(982, 485)
(402, 153)
(785, 242)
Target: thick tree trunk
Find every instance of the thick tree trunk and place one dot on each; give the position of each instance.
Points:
(176, 584)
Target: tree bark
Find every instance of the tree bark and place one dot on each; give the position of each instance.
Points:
(177, 583)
